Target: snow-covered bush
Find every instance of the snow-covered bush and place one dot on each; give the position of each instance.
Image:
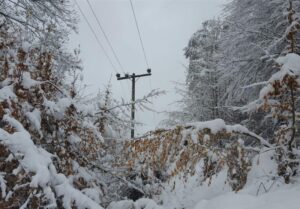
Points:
(48, 145)
(281, 97)
(210, 147)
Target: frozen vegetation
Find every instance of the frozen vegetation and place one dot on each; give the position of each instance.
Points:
(234, 144)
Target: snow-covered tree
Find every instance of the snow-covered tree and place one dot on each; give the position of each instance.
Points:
(110, 116)
(48, 145)
(252, 40)
(250, 43)
(203, 93)
(281, 97)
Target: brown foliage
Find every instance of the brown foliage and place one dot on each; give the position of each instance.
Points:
(177, 152)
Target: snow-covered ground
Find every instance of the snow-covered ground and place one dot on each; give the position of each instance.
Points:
(263, 190)
(284, 198)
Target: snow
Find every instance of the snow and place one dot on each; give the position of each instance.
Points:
(142, 203)
(218, 125)
(63, 104)
(214, 125)
(290, 65)
(93, 194)
(35, 119)
(82, 172)
(255, 84)
(2, 186)
(27, 81)
(263, 190)
(250, 107)
(71, 195)
(125, 204)
(181, 193)
(7, 93)
(6, 82)
(35, 159)
(49, 105)
(89, 125)
(58, 108)
(263, 172)
(39, 162)
(282, 199)
(26, 45)
(74, 139)
(24, 206)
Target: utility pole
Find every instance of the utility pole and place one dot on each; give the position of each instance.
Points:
(133, 80)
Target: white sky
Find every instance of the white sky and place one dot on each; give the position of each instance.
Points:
(166, 26)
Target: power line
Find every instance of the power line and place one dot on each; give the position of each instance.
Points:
(142, 45)
(138, 29)
(106, 37)
(96, 37)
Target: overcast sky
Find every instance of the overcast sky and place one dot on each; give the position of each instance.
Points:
(165, 25)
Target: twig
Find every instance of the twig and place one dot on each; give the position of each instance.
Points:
(55, 86)
(17, 20)
(120, 178)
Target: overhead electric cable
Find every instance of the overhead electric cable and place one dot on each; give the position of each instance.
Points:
(106, 37)
(96, 37)
(139, 33)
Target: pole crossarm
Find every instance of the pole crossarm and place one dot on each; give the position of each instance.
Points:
(127, 76)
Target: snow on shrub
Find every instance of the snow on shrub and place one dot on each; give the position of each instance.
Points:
(167, 154)
(44, 178)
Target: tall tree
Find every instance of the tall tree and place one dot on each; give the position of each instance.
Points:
(253, 38)
(203, 52)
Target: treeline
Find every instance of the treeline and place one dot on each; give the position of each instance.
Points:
(239, 71)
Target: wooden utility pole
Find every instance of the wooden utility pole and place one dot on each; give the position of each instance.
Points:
(133, 80)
